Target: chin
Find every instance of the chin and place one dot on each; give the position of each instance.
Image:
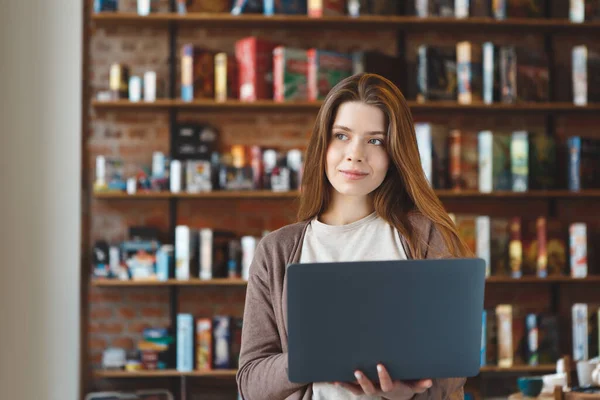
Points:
(352, 190)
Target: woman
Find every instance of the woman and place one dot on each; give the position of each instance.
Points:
(364, 197)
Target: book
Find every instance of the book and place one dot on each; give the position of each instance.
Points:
(432, 140)
(213, 253)
(504, 315)
(532, 350)
(483, 348)
(226, 76)
(583, 166)
(508, 74)
(491, 81)
(519, 152)
(255, 67)
(222, 342)
(325, 70)
(579, 320)
(197, 73)
(548, 339)
(290, 73)
(434, 8)
(436, 73)
(526, 8)
(483, 245)
(585, 75)
(321, 8)
(542, 247)
(501, 162)
(467, 230)
(287, 7)
(532, 75)
(515, 248)
(499, 245)
(185, 342)
(499, 9)
(204, 344)
(557, 247)
(485, 161)
(247, 7)
(469, 72)
(205, 6)
(542, 159)
(578, 250)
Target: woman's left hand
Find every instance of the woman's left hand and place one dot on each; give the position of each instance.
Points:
(388, 389)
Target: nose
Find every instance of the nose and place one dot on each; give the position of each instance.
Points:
(355, 152)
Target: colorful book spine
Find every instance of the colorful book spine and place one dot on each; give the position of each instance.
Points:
(205, 249)
(204, 344)
(515, 249)
(577, 11)
(532, 339)
(254, 57)
(468, 70)
(424, 143)
(483, 228)
(504, 315)
(325, 70)
(483, 348)
(579, 75)
(519, 152)
(578, 250)
(508, 74)
(221, 77)
(290, 71)
(461, 8)
(321, 8)
(499, 9)
(574, 163)
(454, 148)
(501, 162)
(485, 150)
(579, 316)
(288, 7)
(542, 255)
(185, 343)
(489, 72)
(222, 342)
(182, 253)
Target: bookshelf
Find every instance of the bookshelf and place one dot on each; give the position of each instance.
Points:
(493, 280)
(262, 194)
(171, 373)
(171, 106)
(309, 106)
(554, 25)
(167, 373)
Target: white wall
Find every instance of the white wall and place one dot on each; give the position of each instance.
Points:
(40, 139)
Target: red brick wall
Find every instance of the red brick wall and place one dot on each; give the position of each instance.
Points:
(117, 316)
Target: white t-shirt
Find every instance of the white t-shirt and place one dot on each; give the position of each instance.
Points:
(368, 239)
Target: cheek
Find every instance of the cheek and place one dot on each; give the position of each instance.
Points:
(382, 162)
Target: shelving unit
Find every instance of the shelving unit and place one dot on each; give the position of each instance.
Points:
(171, 106)
(232, 105)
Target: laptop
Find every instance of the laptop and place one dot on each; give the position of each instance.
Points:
(420, 318)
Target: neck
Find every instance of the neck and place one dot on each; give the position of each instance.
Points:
(345, 210)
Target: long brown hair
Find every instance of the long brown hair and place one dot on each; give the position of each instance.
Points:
(405, 189)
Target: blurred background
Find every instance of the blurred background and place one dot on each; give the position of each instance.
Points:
(148, 145)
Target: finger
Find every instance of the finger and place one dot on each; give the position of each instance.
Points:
(354, 389)
(422, 385)
(365, 383)
(385, 380)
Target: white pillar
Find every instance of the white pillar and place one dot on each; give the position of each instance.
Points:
(40, 164)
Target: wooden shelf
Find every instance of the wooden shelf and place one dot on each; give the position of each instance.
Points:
(397, 22)
(549, 280)
(313, 106)
(102, 374)
(169, 283)
(268, 194)
(167, 373)
(109, 283)
(488, 369)
(217, 194)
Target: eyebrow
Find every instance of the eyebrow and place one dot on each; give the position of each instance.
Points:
(344, 128)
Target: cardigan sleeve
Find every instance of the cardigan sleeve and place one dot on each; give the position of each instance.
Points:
(262, 372)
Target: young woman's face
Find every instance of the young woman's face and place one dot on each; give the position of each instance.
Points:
(357, 160)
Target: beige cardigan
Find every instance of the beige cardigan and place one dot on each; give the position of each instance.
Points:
(263, 359)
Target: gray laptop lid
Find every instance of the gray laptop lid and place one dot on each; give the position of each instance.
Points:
(420, 318)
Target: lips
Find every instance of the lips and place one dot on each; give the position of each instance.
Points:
(353, 174)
